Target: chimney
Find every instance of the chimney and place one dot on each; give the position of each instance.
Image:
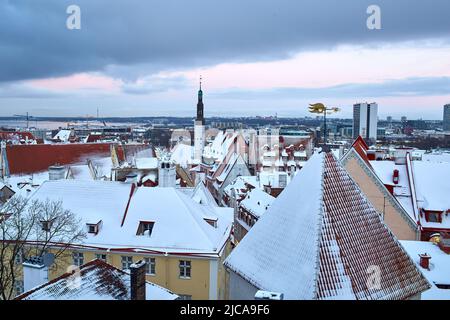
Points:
(425, 261)
(137, 280)
(395, 176)
(266, 295)
(167, 176)
(35, 271)
(56, 172)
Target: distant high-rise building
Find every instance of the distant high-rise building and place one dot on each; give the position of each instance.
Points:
(389, 119)
(365, 120)
(447, 117)
(404, 119)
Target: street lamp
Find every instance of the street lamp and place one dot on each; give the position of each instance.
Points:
(320, 108)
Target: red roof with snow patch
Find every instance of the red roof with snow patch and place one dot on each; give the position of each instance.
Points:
(7, 135)
(38, 157)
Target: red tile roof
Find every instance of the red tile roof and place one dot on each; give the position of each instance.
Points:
(24, 159)
(322, 239)
(353, 224)
(7, 135)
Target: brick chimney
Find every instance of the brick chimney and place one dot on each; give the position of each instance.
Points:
(137, 279)
(425, 261)
(395, 176)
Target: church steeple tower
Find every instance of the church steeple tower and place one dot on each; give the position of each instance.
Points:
(199, 127)
(200, 106)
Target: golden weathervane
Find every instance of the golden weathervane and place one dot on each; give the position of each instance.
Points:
(319, 108)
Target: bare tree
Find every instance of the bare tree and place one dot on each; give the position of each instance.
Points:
(30, 228)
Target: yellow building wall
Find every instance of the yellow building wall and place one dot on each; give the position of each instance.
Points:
(222, 279)
(392, 217)
(166, 275)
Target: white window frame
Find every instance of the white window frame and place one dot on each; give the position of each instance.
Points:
(127, 261)
(78, 258)
(99, 256)
(150, 264)
(185, 267)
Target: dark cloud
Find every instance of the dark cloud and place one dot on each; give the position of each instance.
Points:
(136, 37)
(411, 87)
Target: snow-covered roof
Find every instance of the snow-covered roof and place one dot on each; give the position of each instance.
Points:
(439, 272)
(202, 196)
(183, 155)
(436, 156)
(146, 163)
(433, 185)
(422, 184)
(97, 281)
(179, 225)
(318, 240)
(257, 202)
(63, 135)
(239, 184)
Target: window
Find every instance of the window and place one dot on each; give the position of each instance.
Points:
(19, 257)
(126, 262)
(184, 297)
(78, 258)
(145, 228)
(151, 266)
(92, 228)
(18, 287)
(211, 222)
(46, 225)
(433, 217)
(185, 269)
(101, 256)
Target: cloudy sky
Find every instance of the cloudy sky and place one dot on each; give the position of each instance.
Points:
(257, 57)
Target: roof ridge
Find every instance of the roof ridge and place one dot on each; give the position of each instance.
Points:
(183, 198)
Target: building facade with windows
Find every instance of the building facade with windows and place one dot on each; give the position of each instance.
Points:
(365, 120)
(165, 227)
(446, 123)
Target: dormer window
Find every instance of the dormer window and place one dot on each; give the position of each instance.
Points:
(94, 228)
(145, 228)
(211, 221)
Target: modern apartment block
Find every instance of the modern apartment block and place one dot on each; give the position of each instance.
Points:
(365, 120)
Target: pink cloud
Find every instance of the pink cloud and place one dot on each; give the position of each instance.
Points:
(76, 82)
(344, 65)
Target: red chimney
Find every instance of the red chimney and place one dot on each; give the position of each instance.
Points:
(425, 261)
(395, 176)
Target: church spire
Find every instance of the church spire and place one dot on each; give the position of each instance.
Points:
(200, 104)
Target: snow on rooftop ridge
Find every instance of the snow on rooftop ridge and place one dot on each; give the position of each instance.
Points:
(318, 240)
(179, 223)
(285, 234)
(98, 281)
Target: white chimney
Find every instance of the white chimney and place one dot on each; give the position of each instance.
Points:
(56, 172)
(167, 176)
(35, 271)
